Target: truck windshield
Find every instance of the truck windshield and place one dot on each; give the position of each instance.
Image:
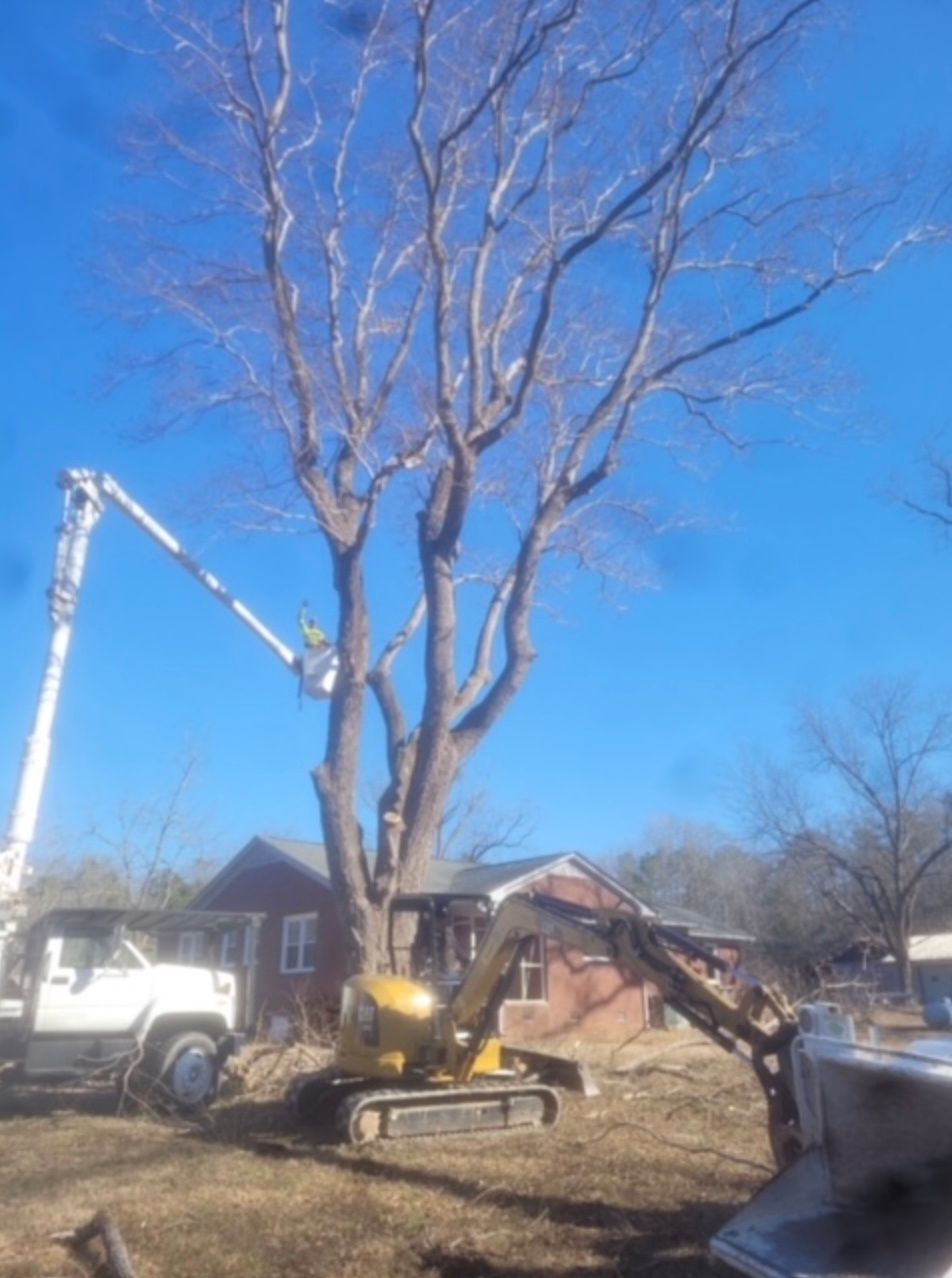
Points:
(85, 950)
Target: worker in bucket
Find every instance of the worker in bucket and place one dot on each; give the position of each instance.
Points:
(314, 636)
(319, 661)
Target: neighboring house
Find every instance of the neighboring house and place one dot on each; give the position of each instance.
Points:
(931, 957)
(863, 968)
(301, 947)
(868, 966)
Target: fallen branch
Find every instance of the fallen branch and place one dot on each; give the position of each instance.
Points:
(648, 1062)
(664, 1139)
(694, 1099)
(104, 1228)
(617, 1050)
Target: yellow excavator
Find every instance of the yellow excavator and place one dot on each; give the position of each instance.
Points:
(861, 1131)
(422, 1056)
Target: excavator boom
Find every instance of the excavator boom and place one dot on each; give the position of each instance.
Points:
(752, 1020)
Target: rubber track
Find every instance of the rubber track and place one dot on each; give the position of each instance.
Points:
(353, 1107)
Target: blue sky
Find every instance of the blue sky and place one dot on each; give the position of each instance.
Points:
(807, 579)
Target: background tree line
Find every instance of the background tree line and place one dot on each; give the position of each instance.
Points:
(848, 844)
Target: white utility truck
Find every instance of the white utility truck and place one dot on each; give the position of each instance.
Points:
(81, 997)
(84, 999)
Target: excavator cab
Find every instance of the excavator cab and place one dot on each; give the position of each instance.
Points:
(434, 938)
(399, 1025)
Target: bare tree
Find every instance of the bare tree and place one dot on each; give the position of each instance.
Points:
(151, 853)
(936, 503)
(695, 867)
(473, 828)
(473, 261)
(879, 829)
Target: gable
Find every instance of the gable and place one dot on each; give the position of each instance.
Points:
(570, 865)
(308, 859)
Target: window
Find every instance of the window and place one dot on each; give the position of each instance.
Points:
(191, 947)
(528, 984)
(465, 936)
(86, 950)
(230, 948)
(95, 951)
(299, 943)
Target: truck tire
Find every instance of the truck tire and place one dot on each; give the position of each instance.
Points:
(187, 1067)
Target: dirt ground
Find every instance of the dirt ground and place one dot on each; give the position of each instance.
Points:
(632, 1182)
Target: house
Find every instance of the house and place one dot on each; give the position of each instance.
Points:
(301, 946)
(863, 968)
(870, 967)
(931, 957)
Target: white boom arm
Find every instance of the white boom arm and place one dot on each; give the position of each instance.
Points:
(87, 493)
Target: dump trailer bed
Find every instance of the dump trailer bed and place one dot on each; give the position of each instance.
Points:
(792, 1230)
(871, 1197)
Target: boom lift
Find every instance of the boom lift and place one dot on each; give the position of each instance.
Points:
(87, 494)
(408, 1062)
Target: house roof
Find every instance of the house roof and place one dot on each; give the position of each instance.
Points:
(459, 878)
(466, 878)
(704, 929)
(933, 947)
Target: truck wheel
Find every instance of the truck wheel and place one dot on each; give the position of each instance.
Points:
(188, 1069)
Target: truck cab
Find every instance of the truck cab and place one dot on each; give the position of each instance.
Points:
(92, 994)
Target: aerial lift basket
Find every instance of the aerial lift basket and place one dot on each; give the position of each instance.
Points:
(319, 668)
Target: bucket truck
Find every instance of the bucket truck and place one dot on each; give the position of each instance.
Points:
(63, 1032)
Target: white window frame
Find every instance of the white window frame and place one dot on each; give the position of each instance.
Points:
(527, 965)
(230, 948)
(295, 922)
(192, 947)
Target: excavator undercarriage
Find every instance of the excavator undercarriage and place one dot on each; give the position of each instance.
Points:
(355, 1112)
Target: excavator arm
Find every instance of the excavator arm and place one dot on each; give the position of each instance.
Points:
(757, 1023)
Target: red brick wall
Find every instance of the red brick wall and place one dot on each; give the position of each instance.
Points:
(591, 1000)
(277, 890)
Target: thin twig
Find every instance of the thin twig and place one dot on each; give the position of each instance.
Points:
(664, 1139)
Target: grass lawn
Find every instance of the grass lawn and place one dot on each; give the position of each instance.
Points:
(632, 1182)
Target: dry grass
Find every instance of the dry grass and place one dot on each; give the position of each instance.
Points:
(617, 1188)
